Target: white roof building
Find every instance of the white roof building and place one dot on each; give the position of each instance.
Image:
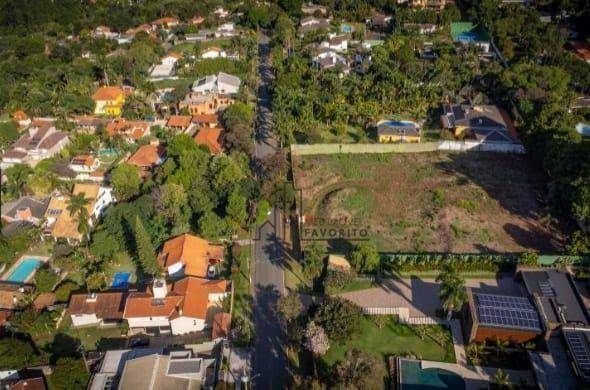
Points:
(222, 83)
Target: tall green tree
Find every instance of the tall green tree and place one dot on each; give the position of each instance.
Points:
(17, 177)
(313, 260)
(145, 249)
(365, 258)
(78, 208)
(126, 181)
(452, 290)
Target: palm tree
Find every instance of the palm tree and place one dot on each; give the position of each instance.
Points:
(500, 347)
(475, 351)
(452, 290)
(78, 209)
(502, 379)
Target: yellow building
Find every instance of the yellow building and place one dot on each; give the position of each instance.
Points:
(397, 131)
(108, 101)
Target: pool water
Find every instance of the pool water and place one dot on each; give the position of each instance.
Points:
(23, 270)
(413, 376)
(121, 279)
(583, 129)
(400, 123)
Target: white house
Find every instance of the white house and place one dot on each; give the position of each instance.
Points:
(222, 83)
(220, 12)
(188, 307)
(84, 164)
(41, 140)
(97, 309)
(328, 59)
(213, 52)
(226, 30)
(171, 58)
(337, 43)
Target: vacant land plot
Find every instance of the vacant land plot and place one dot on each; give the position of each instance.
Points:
(427, 202)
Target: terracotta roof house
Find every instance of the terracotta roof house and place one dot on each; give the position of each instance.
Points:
(84, 164)
(130, 130)
(581, 50)
(176, 370)
(24, 209)
(211, 138)
(147, 157)
(60, 224)
(165, 22)
(197, 20)
(221, 326)
(213, 52)
(26, 379)
(189, 306)
(43, 301)
(146, 28)
(189, 255)
(21, 118)
(87, 124)
(180, 123)
(206, 120)
(108, 101)
(97, 308)
(198, 103)
(41, 140)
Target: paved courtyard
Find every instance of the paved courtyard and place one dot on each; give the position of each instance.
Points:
(420, 296)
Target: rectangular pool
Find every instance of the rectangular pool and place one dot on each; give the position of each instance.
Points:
(24, 269)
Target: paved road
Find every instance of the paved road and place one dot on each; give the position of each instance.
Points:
(269, 366)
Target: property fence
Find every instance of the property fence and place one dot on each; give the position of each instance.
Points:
(458, 146)
(403, 314)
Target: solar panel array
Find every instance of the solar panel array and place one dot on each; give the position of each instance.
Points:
(579, 348)
(507, 312)
(547, 289)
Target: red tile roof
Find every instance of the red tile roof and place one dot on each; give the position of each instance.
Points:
(211, 138)
(196, 294)
(182, 121)
(143, 305)
(147, 156)
(221, 323)
(107, 93)
(107, 305)
(194, 252)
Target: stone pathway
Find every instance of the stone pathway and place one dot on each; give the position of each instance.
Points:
(458, 343)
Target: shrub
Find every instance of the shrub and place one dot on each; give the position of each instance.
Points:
(339, 317)
(64, 290)
(337, 280)
(45, 279)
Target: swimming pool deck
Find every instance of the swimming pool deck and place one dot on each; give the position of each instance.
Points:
(6, 274)
(477, 377)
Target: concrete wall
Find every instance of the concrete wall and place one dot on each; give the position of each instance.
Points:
(457, 146)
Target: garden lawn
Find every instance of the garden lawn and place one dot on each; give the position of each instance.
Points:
(241, 280)
(8, 133)
(89, 336)
(391, 339)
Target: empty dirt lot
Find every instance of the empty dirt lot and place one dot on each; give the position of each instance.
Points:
(428, 202)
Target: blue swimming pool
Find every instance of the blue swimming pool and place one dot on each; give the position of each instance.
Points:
(23, 270)
(121, 279)
(399, 123)
(583, 129)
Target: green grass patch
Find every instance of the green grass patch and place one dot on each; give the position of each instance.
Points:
(90, 337)
(394, 339)
(241, 281)
(8, 133)
(355, 285)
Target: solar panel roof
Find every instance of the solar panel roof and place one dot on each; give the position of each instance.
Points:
(507, 312)
(577, 342)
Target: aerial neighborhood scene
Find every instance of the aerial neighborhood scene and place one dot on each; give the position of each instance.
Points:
(286, 194)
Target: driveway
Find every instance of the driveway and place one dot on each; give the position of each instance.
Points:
(270, 363)
(420, 296)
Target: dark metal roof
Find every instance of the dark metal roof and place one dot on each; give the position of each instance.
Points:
(562, 305)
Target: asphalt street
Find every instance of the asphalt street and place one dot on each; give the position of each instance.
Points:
(269, 366)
